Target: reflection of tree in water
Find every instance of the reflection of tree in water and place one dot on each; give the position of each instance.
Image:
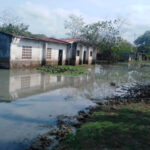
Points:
(119, 74)
(96, 84)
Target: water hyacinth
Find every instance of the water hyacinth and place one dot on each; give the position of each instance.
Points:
(66, 70)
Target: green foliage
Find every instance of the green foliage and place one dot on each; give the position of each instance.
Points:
(74, 25)
(105, 34)
(122, 50)
(64, 70)
(39, 35)
(19, 29)
(143, 43)
(101, 32)
(10, 23)
(90, 32)
(124, 128)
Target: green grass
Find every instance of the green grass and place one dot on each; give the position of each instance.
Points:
(65, 70)
(122, 128)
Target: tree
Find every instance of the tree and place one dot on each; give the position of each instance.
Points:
(143, 43)
(40, 35)
(100, 32)
(11, 23)
(90, 33)
(19, 29)
(74, 25)
(122, 51)
(105, 34)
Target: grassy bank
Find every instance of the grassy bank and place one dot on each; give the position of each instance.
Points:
(113, 128)
(65, 70)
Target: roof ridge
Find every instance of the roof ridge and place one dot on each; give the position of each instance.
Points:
(37, 38)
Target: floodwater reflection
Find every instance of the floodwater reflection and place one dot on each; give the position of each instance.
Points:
(30, 99)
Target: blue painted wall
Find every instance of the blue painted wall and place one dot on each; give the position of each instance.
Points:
(5, 41)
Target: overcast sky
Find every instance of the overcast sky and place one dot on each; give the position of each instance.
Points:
(47, 16)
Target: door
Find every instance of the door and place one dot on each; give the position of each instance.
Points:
(84, 57)
(60, 57)
(44, 55)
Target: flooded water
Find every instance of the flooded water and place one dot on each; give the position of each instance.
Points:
(30, 100)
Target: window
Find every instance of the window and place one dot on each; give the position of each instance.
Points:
(91, 53)
(26, 52)
(78, 53)
(49, 53)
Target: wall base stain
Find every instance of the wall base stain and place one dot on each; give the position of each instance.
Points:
(4, 63)
(24, 64)
(30, 64)
(52, 62)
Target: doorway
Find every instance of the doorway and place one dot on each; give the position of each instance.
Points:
(44, 55)
(84, 57)
(60, 57)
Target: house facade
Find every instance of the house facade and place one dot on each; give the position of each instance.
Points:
(20, 51)
(81, 52)
(138, 56)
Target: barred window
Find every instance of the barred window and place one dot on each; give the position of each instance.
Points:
(49, 53)
(26, 52)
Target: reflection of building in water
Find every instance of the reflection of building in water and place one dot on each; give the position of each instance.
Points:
(25, 82)
(16, 84)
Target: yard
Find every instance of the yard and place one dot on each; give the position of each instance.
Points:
(113, 128)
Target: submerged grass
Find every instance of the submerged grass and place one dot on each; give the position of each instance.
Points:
(65, 70)
(122, 128)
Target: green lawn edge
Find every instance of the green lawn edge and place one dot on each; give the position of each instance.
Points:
(121, 128)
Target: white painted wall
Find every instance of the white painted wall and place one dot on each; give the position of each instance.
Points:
(91, 57)
(83, 48)
(80, 49)
(55, 50)
(37, 49)
(16, 49)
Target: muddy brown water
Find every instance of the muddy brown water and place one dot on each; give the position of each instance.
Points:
(30, 100)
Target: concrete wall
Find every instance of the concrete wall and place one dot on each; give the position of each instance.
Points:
(16, 60)
(5, 41)
(55, 52)
(39, 52)
(19, 83)
(94, 57)
(78, 58)
(11, 53)
(89, 59)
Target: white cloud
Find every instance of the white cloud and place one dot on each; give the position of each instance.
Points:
(44, 20)
(50, 21)
(135, 12)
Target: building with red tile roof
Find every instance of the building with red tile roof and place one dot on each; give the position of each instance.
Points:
(19, 51)
(81, 51)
